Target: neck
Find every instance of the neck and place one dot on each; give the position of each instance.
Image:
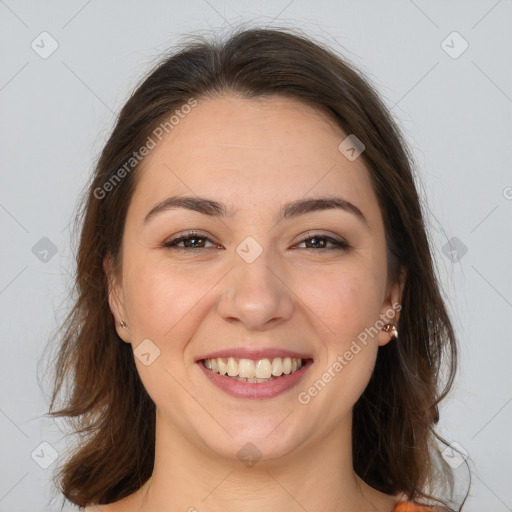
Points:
(319, 476)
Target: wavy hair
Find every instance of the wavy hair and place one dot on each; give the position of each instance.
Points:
(394, 439)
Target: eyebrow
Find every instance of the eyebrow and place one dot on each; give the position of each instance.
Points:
(293, 209)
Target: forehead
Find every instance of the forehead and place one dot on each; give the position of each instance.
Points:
(251, 151)
(251, 127)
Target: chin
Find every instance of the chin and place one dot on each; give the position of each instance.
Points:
(254, 443)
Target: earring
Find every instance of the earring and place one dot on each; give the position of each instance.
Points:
(391, 328)
(122, 323)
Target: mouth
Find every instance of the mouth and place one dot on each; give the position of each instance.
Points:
(253, 378)
(254, 371)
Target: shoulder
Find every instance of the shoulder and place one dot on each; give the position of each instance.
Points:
(407, 506)
(111, 507)
(126, 504)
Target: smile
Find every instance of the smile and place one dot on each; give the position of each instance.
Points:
(268, 377)
(254, 371)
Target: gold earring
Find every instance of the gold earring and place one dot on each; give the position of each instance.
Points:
(391, 328)
(122, 323)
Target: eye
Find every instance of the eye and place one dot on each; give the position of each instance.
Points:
(195, 240)
(191, 240)
(320, 241)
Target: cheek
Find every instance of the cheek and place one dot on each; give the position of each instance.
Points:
(165, 304)
(161, 300)
(346, 299)
(348, 302)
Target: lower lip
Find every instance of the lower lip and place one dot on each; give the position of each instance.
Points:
(256, 390)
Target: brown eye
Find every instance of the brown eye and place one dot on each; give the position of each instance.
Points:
(190, 240)
(317, 241)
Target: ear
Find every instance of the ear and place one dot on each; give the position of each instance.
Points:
(115, 298)
(391, 307)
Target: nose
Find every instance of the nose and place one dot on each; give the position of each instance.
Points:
(256, 295)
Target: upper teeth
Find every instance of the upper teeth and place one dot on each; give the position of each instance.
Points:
(260, 369)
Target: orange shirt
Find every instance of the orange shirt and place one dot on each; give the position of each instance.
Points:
(405, 506)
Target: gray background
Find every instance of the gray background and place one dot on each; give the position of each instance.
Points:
(57, 111)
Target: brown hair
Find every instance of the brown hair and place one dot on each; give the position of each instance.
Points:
(394, 440)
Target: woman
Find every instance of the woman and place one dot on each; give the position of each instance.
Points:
(258, 324)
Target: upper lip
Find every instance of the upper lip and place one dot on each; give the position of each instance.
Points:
(259, 353)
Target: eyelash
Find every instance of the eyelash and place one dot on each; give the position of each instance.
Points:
(339, 244)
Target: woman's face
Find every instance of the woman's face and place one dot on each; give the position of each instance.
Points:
(248, 280)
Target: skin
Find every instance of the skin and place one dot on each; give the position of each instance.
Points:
(253, 155)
